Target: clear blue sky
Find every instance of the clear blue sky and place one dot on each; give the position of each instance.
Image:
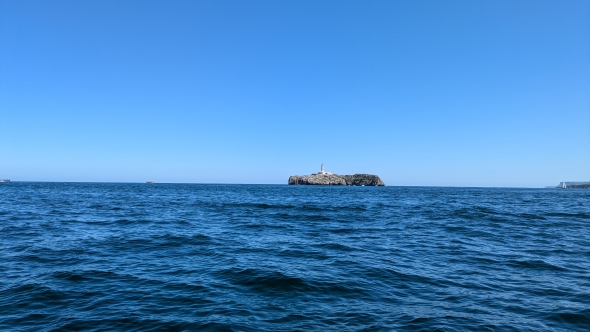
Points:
(444, 93)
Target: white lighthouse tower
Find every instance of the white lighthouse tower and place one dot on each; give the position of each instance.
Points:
(322, 171)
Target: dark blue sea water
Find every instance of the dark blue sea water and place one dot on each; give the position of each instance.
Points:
(174, 257)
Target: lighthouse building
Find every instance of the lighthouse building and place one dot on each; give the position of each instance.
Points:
(324, 173)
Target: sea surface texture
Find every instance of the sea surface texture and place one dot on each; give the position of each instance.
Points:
(175, 257)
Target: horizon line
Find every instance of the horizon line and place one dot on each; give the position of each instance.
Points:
(282, 184)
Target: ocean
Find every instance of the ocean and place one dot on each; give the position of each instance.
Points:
(208, 257)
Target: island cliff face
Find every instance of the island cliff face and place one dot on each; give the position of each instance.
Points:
(336, 180)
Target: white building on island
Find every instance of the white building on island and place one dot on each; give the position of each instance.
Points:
(324, 173)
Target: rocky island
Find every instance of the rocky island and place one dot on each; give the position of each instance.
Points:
(331, 179)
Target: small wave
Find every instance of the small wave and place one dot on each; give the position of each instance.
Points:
(316, 217)
(536, 264)
(260, 280)
(529, 216)
(335, 246)
(578, 319)
(125, 321)
(346, 230)
(299, 254)
(568, 215)
(30, 295)
(262, 206)
(180, 240)
(36, 258)
(280, 284)
(403, 279)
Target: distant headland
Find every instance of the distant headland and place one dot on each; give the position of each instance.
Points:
(572, 185)
(331, 179)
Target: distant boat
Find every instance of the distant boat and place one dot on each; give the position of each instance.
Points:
(4, 180)
(149, 182)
